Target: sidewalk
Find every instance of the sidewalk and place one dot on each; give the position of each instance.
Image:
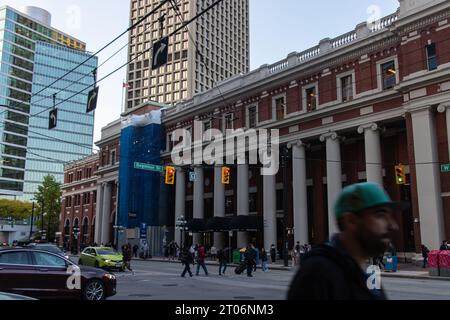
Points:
(407, 271)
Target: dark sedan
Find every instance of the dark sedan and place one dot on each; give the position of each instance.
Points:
(45, 275)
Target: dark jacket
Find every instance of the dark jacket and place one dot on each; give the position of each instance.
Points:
(186, 258)
(425, 252)
(329, 273)
(250, 257)
(222, 255)
(444, 247)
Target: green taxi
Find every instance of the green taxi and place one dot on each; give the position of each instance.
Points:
(105, 258)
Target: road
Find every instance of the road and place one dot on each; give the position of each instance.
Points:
(161, 281)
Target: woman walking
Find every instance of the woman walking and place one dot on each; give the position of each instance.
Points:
(186, 260)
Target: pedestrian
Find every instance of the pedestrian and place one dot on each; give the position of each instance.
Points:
(444, 246)
(127, 254)
(425, 252)
(201, 255)
(273, 253)
(213, 253)
(135, 250)
(264, 260)
(256, 257)
(166, 251)
(249, 259)
(186, 260)
(222, 255)
(333, 271)
(192, 251)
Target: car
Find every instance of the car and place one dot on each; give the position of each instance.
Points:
(10, 296)
(45, 275)
(48, 247)
(102, 257)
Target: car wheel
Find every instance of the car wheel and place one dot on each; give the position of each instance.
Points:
(94, 290)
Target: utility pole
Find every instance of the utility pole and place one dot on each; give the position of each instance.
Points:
(42, 219)
(32, 221)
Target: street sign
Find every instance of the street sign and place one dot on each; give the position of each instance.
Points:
(53, 119)
(148, 167)
(92, 100)
(143, 231)
(445, 168)
(192, 176)
(160, 53)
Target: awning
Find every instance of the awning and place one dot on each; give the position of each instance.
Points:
(218, 224)
(196, 225)
(247, 223)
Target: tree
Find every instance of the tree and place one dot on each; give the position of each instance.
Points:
(48, 200)
(14, 209)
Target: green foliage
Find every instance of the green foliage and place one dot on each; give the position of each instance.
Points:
(48, 200)
(17, 210)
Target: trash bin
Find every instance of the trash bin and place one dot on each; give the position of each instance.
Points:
(444, 263)
(236, 257)
(391, 264)
(433, 263)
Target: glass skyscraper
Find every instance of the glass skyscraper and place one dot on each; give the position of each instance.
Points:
(32, 56)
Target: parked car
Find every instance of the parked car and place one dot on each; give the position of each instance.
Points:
(48, 247)
(45, 275)
(106, 258)
(10, 296)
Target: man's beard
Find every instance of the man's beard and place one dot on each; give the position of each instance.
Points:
(373, 246)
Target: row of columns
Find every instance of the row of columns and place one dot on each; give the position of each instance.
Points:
(103, 213)
(427, 173)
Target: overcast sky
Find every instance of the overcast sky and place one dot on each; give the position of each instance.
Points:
(277, 27)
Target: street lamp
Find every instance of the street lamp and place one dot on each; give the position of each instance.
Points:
(76, 233)
(181, 225)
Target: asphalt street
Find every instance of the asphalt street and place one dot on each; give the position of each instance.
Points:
(161, 281)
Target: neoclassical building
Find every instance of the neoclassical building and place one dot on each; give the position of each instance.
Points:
(348, 110)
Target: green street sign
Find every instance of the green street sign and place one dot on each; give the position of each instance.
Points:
(445, 168)
(148, 167)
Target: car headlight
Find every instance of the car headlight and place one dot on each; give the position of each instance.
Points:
(107, 261)
(109, 276)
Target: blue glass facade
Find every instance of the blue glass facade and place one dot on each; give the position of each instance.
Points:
(32, 56)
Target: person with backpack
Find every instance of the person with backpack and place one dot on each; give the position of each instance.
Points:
(201, 255)
(222, 255)
(249, 259)
(425, 252)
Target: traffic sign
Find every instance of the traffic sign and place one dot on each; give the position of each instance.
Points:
(160, 53)
(92, 100)
(143, 231)
(148, 167)
(53, 119)
(445, 168)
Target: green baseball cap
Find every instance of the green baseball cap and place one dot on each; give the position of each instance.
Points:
(358, 197)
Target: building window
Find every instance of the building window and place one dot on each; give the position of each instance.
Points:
(347, 88)
(311, 99)
(280, 108)
(228, 121)
(252, 117)
(113, 157)
(431, 57)
(279, 199)
(229, 205)
(388, 75)
(252, 202)
(206, 128)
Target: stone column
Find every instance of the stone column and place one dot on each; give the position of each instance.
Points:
(219, 205)
(428, 178)
(334, 176)
(270, 211)
(445, 107)
(374, 167)
(180, 200)
(106, 213)
(198, 199)
(242, 201)
(300, 193)
(98, 215)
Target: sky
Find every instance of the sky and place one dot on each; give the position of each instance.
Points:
(277, 28)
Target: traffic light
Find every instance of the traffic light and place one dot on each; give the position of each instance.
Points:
(170, 175)
(400, 175)
(226, 175)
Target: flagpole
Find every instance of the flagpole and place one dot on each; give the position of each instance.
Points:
(123, 93)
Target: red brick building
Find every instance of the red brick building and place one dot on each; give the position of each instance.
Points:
(79, 194)
(349, 110)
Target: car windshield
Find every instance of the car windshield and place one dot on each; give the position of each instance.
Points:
(106, 252)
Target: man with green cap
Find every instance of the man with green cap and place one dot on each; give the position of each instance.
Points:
(336, 270)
